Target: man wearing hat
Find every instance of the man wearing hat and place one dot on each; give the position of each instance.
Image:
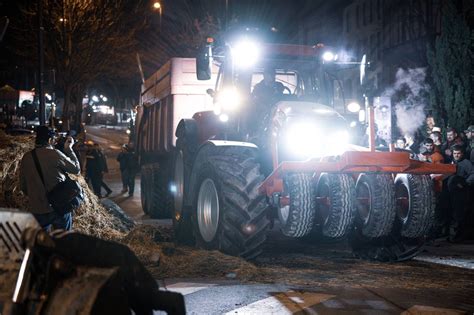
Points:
(53, 165)
(470, 142)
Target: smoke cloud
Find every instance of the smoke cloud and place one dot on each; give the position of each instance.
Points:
(409, 93)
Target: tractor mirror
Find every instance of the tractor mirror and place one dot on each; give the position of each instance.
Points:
(203, 63)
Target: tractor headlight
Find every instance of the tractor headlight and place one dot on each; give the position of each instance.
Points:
(228, 100)
(304, 141)
(246, 53)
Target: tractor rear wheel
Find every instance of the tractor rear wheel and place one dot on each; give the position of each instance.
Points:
(297, 218)
(182, 225)
(375, 202)
(415, 204)
(335, 200)
(230, 214)
(160, 198)
(145, 188)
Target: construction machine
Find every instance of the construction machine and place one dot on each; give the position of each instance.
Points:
(245, 161)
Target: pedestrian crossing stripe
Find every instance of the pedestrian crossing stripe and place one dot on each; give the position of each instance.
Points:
(284, 303)
(429, 310)
(292, 302)
(188, 287)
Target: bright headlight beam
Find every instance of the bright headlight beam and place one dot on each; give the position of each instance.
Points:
(246, 53)
(328, 56)
(353, 107)
(228, 100)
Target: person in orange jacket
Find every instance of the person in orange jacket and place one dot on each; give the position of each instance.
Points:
(428, 153)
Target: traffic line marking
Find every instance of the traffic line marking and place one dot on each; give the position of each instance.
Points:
(284, 303)
(188, 287)
(429, 310)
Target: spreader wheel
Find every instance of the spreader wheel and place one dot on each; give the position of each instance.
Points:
(375, 195)
(415, 204)
(297, 216)
(335, 200)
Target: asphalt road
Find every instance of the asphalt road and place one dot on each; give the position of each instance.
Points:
(300, 278)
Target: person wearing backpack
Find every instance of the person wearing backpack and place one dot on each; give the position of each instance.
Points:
(44, 179)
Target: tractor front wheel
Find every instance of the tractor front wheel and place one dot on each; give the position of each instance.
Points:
(229, 213)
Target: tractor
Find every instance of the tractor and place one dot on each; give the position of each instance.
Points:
(247, 161)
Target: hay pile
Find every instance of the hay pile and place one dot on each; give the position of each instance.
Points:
(155, 248)
(91, 218)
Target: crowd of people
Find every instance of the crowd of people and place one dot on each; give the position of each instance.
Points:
(455, 203)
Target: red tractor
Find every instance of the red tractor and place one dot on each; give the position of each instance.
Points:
(253, 159)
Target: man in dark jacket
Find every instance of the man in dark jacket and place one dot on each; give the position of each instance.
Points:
(452, 138)
(54, 166)
(458, 189)
(104, 168)
(94, 170)
(122, 158)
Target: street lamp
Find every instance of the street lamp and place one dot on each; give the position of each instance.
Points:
(157, 6)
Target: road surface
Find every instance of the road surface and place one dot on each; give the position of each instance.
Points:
(300, 278)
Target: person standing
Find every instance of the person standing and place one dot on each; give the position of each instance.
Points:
(54, 168)
(131, 170)
(94, 170)
(122, 158)
(469, 132)
(104, 169)
(458, 191)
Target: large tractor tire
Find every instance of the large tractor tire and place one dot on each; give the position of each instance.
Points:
(145, 182)
(229, 213)
(181, 215)
(415, 204)
(297, 218)
(335, 200)
(375, 202)
(155, 193)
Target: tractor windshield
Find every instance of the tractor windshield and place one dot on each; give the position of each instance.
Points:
(299, 80)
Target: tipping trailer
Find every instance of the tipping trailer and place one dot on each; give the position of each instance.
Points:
(247, 161)
(168, 96)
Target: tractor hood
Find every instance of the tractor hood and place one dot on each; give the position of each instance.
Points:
(311, 112)
(307, 130)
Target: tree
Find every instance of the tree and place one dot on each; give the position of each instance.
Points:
(84, 39)
(451, 73)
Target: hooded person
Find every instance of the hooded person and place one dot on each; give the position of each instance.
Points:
(36, 180)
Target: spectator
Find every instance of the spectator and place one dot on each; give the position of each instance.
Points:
(123, 159)
(457, 189)
(131, 169)
(104, 169)
(400, 143)
(54, 166)
(428, 152)
(451, 139)
(94, 169)
(469, 132)
(436, 137)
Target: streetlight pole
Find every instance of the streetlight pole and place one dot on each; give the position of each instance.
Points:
(42, 111)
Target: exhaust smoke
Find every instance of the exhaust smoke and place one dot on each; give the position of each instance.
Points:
(410, 95)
